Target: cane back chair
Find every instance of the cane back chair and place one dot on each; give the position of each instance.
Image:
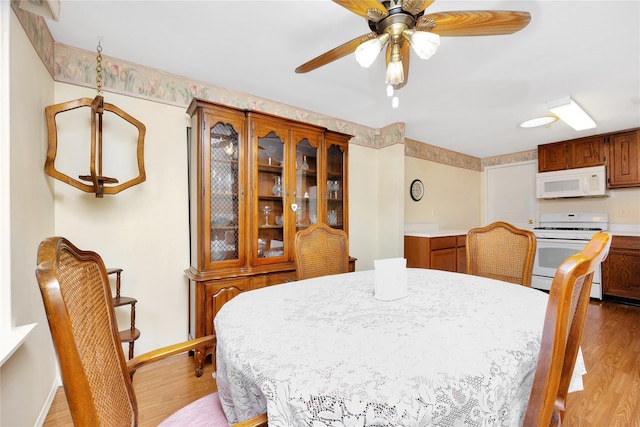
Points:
(501, 251)
(320, 251)
(78, 302)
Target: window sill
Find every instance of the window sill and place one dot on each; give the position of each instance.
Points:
(12, 340)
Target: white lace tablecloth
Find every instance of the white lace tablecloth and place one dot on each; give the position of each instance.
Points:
(459, 350)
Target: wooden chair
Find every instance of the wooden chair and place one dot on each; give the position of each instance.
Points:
(562, 333)
(320, 251)
(501, 251)
(78, 302)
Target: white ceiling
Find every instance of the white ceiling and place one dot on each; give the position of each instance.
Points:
(469, 97)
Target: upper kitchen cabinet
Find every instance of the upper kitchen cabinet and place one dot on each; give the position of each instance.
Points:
(552, 157)
(624, 158)
(586, 152)
(619, 151)
(576, 153)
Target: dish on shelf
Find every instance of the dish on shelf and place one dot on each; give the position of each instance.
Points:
(220, 249)
(222, 220)
(273, 253)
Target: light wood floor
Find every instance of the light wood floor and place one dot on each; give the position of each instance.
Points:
(611, 396)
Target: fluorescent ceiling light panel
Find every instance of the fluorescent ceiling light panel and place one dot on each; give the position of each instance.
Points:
(571, 113)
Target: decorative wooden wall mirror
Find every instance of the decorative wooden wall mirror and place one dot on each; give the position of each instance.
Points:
(108, 139)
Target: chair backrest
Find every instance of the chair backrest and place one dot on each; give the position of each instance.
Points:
(77, 299)
(562, 333)
(501, 251)
(321, 250)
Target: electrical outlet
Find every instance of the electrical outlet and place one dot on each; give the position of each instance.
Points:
(622, 212)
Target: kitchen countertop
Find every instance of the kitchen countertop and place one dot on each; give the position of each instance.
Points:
(624, 230)
(436, 233)
(425, 229)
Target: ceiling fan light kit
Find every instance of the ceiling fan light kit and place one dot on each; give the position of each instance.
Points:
(395, 70)
(402, 23)
(368, 51)
(423, 43)
(571, 113)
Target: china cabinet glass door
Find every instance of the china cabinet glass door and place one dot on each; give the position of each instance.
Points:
(225, 209)
(336, 182)
(306, 181)
(270, 209)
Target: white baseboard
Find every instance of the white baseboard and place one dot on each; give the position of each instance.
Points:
(47, 404)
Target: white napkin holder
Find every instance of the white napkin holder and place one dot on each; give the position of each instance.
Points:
(390, 279)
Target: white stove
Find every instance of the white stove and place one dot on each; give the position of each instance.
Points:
(571, 225)
(561, 235)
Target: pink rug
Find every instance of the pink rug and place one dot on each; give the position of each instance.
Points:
(205, 411)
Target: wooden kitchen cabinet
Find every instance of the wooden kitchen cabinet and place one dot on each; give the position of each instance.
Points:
(552, 157)
(254, 181)
(586, 152)
(624, 159)
(619, 151)
(439, 253)
(576, 153)
(621, 268)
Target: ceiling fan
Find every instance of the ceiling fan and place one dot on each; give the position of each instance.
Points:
(400, 24)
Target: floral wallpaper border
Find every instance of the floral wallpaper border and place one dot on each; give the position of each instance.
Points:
(77, 66)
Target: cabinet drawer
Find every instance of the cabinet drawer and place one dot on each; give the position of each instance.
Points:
(282, 277)
(447, 242)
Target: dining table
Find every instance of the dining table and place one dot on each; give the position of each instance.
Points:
(457, 350)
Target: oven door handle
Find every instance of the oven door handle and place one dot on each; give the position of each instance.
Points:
(581, 243)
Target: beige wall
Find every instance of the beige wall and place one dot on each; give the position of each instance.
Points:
(363, 199)
(143, 229)
(452, 195)
(27, 378)
(623, 205)
(390, 206)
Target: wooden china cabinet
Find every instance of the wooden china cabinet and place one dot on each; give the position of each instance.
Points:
(254, 181)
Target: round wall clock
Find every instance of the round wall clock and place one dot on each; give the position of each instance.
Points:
(416, 190)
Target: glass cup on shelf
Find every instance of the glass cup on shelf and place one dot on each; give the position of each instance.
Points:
(299, 213)
(305, 165)
(277, 186)
(267, 209)
(332, 217)
(332, 188)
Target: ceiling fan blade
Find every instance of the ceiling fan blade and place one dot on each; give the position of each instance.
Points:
(414, 7)
(335, 53)
(476, 22)
(405, 53)
(361, 7)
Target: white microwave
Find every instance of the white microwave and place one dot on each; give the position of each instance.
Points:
(583, 182)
